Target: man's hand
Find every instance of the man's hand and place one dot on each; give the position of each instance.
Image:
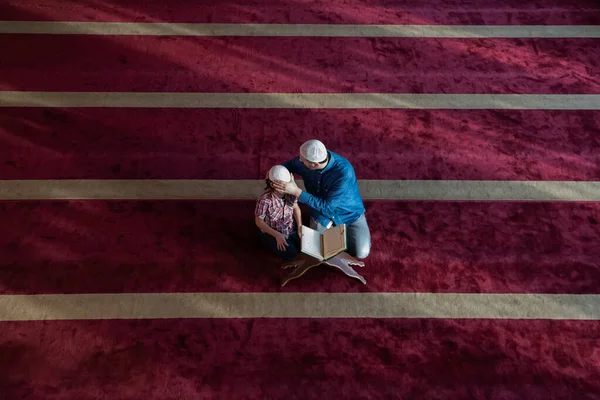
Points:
(281, 242)
(288, 188)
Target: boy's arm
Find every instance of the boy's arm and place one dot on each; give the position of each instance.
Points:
(263, 226)
(281, 241)
(298, 218)
(260, 213)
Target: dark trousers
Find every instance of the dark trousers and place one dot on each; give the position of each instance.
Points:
(291, 250)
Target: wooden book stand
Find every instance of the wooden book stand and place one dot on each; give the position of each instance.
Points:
(303, 262)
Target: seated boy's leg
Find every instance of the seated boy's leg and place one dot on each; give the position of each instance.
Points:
(293, 247)
(359, 238)
(294, 242)
(291, 250)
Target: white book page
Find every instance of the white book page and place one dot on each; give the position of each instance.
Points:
(311, 242)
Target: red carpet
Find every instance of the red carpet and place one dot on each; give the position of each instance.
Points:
(463, 12)
(93, 246)
(117, 143)
(298, 358)
(311, 65)
(66, 247)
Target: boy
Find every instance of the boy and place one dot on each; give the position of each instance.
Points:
(278, 216)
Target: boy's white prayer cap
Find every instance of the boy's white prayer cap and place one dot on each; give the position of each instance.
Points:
(314, 151)
(279, 173)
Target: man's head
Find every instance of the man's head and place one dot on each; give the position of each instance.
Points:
(313, 154)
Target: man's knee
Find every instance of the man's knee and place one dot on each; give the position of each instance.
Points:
(360, 247)
(363, 250)
(360, 238)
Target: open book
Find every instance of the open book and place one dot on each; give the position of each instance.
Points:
(323, 246)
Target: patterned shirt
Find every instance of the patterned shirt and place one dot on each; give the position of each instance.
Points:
(277, 212)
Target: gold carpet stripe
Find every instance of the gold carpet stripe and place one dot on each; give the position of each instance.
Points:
(298, 305)
(185, 189)
(301, 100)
(301, 30)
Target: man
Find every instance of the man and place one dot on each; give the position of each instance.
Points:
(331, 193)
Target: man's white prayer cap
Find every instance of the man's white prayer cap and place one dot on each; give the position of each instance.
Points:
(314, 151)
(279, 173)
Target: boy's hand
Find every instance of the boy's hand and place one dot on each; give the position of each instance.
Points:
(281, 242)
(288, 188)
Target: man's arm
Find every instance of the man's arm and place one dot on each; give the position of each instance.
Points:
(291, 165)
(325, 205)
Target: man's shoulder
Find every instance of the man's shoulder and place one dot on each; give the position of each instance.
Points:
(293, 163)
(296, 166)
(340, 160)
(342, 165)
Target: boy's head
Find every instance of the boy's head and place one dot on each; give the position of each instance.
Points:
(278, 173)
(313, 154)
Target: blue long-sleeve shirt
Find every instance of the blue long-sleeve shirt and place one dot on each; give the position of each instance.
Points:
(332, 193)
